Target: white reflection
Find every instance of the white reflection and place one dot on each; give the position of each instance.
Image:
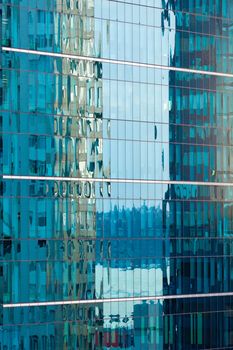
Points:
(120, 283)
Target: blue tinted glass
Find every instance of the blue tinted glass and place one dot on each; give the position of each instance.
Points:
(116, 174)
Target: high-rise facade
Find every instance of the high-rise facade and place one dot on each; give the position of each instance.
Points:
(116, 202)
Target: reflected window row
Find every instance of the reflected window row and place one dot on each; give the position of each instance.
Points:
(198, 8)
(114, 278)
(138, 9)
(122, 194)
(130, 14)
(155, 331)
(108, 158)
(63, 219)
(155, 45)
(82, 132)
(105, 249)
(112, 71)
(135, 101)
(91, 126)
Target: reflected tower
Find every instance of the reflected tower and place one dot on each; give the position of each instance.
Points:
(52, 125)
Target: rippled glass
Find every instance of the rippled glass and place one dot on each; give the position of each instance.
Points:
(116, 175)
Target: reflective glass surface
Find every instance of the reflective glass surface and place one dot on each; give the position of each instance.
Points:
(116, 193)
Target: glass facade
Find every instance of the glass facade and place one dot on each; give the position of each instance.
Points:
(116, 189)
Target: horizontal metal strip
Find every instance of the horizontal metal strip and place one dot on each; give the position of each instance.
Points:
(111, 300)
(106, 60)
(108, 180)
